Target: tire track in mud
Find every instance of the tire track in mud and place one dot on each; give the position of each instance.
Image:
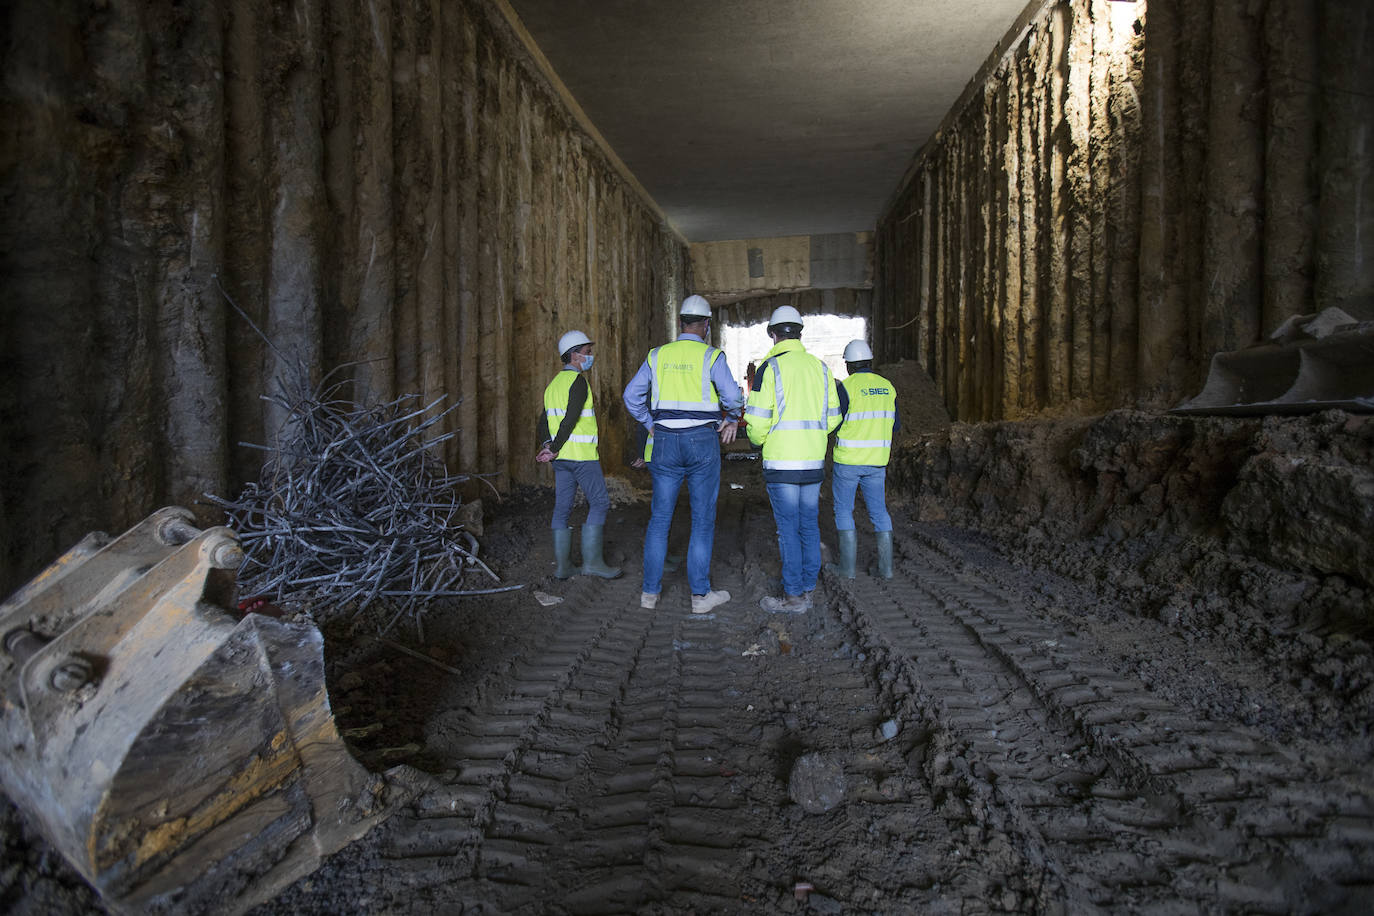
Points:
(618, 768)
(1115, 797)
(1308, 819)
(590, 774)
(899, 855)
(660, 824)
(625, 760)
(519, 750)
(661, 820)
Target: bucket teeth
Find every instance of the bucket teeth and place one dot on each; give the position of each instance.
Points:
(1321, 363)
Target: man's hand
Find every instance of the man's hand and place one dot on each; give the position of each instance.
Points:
(545, 455)
(637, 463)
(727, 431)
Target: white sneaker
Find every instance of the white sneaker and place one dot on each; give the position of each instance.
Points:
(648, 601)
(789, 604)
(702, 604)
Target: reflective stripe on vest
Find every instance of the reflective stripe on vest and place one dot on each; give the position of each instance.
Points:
(680, 381)
(777, 464)
(865, 436)
(581, 445)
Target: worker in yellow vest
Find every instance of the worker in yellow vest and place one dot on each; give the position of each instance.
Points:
(567, 431)
(863, 444)
(792, 408)
(686, 397)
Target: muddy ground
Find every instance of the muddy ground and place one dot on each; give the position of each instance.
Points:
(999, 728)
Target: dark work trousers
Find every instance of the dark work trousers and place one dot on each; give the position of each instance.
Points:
(567, 477)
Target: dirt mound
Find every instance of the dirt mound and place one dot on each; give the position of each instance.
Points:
(919, 404)
(623, 492)
(1296, 492)
(1248, 534)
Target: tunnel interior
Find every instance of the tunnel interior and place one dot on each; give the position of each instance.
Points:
(1124, 663)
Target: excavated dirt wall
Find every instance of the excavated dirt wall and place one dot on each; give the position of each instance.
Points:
(1277, 509)
(1128, 189)
(845, 301)
(393, 186)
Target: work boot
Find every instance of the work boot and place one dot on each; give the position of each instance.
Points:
(849, 546)
(592, 564)
(702, 604)
(885, 554)
(562, 552)
(788, 604)
(648, 600)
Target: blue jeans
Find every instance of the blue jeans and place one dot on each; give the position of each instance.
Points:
(795, 509)
(692, 455)
(844, 479)
(567, 477)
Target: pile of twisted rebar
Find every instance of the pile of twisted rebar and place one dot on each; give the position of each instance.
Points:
(353, 510)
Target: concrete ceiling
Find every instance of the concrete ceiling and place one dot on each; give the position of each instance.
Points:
(764, 118)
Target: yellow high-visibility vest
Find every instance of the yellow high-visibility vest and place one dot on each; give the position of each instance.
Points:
(680, 381)
(581, 445)
(794, 409)
(865, 436)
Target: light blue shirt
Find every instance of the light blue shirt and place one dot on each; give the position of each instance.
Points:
(637, 393)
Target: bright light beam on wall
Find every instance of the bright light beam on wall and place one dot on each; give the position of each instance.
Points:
(1123, 14)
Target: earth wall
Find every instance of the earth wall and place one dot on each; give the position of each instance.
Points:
(1275, 510)
(1125, 190)
(399, 189)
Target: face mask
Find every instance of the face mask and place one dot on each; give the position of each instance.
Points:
(587, 362)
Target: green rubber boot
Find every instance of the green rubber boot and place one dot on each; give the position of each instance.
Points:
(592, 563)
(885, 554)
(849, 547)
(562, 552)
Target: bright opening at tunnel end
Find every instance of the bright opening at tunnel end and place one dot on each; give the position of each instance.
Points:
(823, 336)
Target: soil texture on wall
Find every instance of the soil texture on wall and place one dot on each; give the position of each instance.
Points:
(1126, 190)
(393, 194)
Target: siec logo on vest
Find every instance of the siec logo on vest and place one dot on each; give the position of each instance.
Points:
(876, 390)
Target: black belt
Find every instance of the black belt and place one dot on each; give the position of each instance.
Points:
(683, 429)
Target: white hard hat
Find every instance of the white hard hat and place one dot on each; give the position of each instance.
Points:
(785, 314)
(570, 340)
(695, 307)
(856, 351)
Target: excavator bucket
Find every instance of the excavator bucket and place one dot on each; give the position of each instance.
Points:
(182, 757)
(1313, 362)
